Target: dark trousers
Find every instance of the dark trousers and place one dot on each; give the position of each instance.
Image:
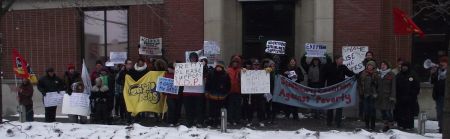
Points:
(50, 114)
(193, 106)
(387, 115)
(255, 103)
(369, 112)
(29, 117)
(214, 110)
(174, 110)
(337, 117)
(102, 114)
(361, 107)
(316, 112)
(234, 107)
(291, 110)
(405, 114)
(440, 111)
(119, 107)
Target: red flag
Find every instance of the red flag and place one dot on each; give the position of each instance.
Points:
(20, 65)
(403, 25)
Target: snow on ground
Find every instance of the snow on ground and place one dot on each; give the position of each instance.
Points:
(41, 130)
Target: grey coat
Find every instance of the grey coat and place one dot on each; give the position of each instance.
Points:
(386, 92)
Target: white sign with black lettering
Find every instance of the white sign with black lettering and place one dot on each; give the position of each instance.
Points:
(354, 56)
(315, 50)
(275, 47)
(152, 47)
(188, 74)
(255, 82)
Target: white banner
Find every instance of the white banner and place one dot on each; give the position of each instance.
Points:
(117, 57)
(354, 56)
(76, 104)
(151, 47)
(188, 74)
(211, 48)
(255, 82)
(53, 98)
(315, 50)
(275, 47)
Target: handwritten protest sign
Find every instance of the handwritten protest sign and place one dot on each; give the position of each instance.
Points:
(275, 47)
(166, 85)
(117, 57)
(291, 93)
(315, 50)
(211, 48)
(188, 74)
(53, 98)
(354, 56)
(255, 82)
(76, 104)
(151, 47)
(187, 53)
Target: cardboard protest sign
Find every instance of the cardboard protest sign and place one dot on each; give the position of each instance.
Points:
(255, 82)
(211, 48)
(315, 50)
(53, 98)
(354, 56)
(275, 47)
(117, 57)
(76, 104)
(188, 74)
(291, 93)
(152, 47)
(166, 85)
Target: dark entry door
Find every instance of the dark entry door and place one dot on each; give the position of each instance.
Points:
(267, 20)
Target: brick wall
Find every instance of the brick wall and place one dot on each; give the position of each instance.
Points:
(45, 38)
(369, 23)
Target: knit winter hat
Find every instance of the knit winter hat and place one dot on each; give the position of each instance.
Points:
(220, 63)
(70, 66)
(374, 65)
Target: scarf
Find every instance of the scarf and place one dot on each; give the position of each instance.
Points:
(140, 68)
(384, 72)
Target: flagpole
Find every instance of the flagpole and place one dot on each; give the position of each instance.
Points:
(396, 46)
(164, 106)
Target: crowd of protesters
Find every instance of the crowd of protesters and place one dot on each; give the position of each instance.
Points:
(390, 91)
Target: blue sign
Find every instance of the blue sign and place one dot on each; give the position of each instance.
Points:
(291, 93)
(165, 85)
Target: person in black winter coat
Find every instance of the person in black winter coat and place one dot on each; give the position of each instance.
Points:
(439, 79)
(50, 83)
(71, 76)
(334, 73)
(408, 87)
(217, 88)
(294, 73)
(100, 95)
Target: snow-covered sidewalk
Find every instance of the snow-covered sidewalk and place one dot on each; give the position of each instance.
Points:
(76, 131)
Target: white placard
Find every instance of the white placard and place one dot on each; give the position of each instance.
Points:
(165, 85)
(53, 98)
(151, 47)
(275, 47)
(354, 56)
(255, 82)
(211, 48)
(117, 57)
(315, 50)
(188, 74)
(76, 104)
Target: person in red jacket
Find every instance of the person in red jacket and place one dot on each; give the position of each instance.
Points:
(174, 101)
(26, 99)
(234, 99)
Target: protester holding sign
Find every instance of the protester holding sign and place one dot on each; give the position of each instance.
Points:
(99, 97)
(193, 101)
(174, 101)
(335, 72)
(217, 88)
(71, 76)
(368, 89)
(50, 83)
(407, 89)
(386, 95)
(25, 96)
(314, 72)
(294, 73)
(77, 87)
(234, 99)
(255, 102)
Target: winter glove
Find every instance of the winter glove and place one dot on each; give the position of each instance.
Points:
(244, 70)
(268, 70)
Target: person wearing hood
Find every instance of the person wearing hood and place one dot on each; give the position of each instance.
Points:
(439, 79)
(234, 99)
(385, 101)
(71, 76)
(193, 101)
(368, 89)
(335, 73)
(99, 96)
(25, 96)
(407, 89)
(217, 88)
(50, 83)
